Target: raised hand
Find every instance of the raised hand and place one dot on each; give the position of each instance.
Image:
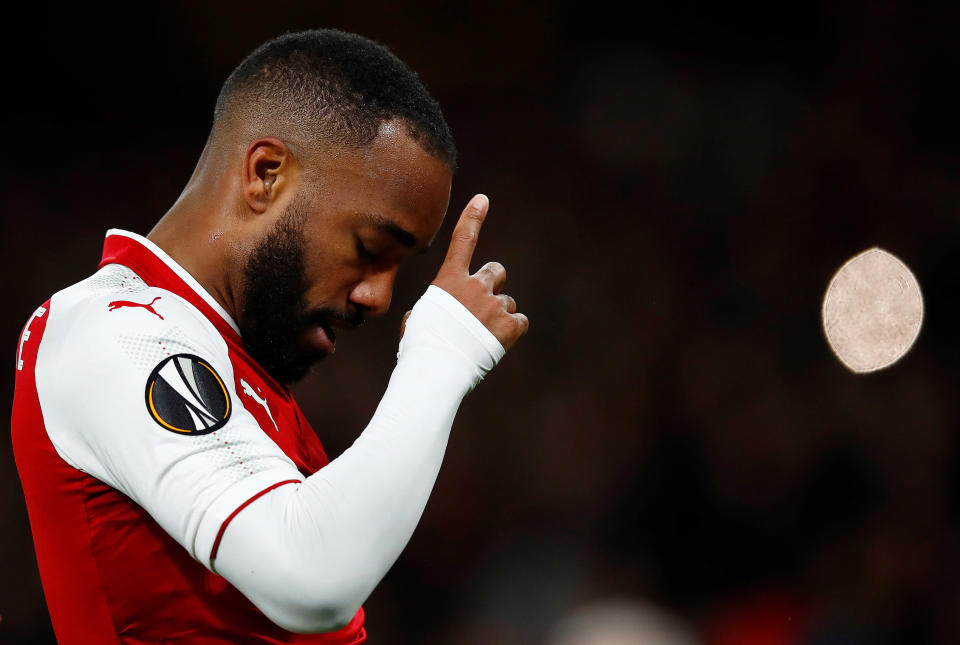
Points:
(481, 291)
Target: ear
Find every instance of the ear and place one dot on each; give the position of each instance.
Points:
(269, 169)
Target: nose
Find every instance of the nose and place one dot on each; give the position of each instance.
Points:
(374, 292)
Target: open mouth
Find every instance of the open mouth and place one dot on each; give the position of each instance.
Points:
(318, 337)
(329, 331)
(320, 330)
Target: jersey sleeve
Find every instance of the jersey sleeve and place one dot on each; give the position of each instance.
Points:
(308, 556)
(147, 404)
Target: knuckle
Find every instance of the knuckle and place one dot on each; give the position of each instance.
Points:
(523, 323)
(494, 271)
(480, 282)
(466, 235)
(471, 222)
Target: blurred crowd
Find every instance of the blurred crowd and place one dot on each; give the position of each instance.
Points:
(672, 456)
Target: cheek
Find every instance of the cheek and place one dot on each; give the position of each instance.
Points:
(330, 279)
(331, 266)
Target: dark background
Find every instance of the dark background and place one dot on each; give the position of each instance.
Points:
(671, 190)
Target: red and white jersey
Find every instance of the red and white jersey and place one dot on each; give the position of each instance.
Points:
(140, 429)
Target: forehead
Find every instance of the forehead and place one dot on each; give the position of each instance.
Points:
(392, 177)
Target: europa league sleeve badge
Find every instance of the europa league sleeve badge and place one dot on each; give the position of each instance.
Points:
(184, 394)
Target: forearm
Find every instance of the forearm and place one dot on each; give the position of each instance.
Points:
(309, 555)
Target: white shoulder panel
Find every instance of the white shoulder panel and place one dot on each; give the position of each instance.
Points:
(108, 340)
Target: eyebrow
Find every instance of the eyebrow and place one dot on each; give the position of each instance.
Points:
(394, 230)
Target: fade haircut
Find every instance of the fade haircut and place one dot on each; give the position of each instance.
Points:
(325, 85)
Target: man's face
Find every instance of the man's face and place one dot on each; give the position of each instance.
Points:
(331, 258)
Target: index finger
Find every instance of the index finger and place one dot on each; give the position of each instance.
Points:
(466, 232)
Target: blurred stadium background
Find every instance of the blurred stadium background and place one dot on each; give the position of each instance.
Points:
(673, 448)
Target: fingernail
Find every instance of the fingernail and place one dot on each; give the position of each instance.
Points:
(478, 201)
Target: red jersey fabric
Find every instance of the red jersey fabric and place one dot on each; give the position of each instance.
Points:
(110, 573)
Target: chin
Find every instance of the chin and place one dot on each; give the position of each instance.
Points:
(294, 372)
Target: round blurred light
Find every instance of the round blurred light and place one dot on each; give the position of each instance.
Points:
(872, 311)
(623, 621)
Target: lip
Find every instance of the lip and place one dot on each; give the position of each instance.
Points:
(329, 331)
(320, 337)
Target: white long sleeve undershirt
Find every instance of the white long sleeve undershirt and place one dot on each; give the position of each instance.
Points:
(308, 555)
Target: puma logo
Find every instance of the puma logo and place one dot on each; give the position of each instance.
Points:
(262, 400)
(116, 304)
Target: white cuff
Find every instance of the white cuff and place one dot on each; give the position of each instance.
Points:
(440, 316)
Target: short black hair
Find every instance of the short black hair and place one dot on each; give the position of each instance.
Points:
(335, 85)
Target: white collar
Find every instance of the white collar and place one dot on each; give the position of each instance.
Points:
(182, 273)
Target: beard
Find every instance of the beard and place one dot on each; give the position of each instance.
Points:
(275, 313)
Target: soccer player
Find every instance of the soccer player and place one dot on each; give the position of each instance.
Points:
(176, 493)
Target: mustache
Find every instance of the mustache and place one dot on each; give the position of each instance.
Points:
(329, 317)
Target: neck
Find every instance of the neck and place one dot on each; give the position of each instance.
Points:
(195, 232)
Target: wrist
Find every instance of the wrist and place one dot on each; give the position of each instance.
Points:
(438, 316)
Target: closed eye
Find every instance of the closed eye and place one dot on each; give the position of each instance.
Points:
(363, 252)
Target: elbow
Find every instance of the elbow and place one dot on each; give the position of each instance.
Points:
(303, 577)
(306, 606)
(314, 619)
